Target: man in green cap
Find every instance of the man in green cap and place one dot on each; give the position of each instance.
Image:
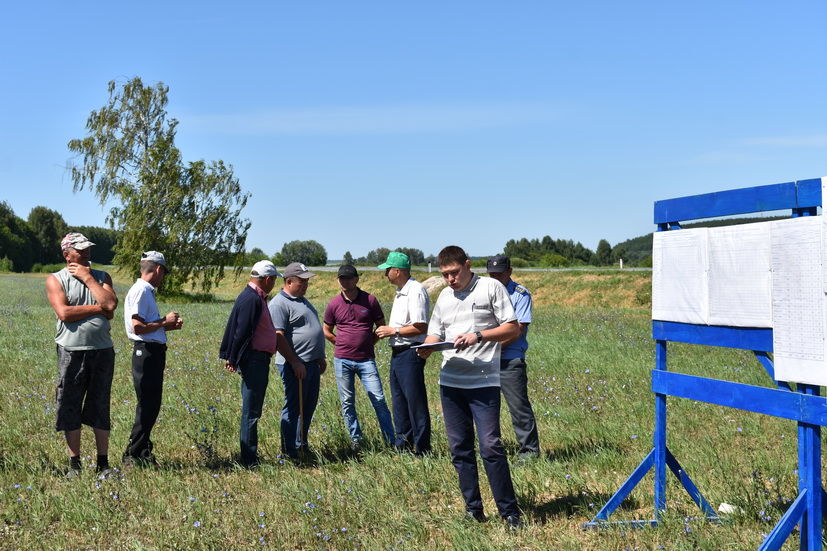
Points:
(407, 327)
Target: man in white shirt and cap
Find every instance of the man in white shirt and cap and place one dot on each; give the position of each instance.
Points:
(407, 327)
(148, 332)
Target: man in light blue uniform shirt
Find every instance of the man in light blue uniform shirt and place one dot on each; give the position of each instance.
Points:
(513, 378)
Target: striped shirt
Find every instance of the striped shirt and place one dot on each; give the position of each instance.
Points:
(483, 304)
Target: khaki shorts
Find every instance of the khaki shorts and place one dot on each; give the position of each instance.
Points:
(84, 388)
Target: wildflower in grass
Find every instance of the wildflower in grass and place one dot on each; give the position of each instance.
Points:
(633, 437)
(344, 529)
(739, 429)
(16, 486)
(262, 525)
(262, 541)
(261, 514)
(192, 499)
(197, 524)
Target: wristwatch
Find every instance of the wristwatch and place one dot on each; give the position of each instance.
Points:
(479, 336)
(397, 333)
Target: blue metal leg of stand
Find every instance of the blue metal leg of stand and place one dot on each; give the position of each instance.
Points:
(808, 508)
(690, 487)
(615, 501)
(809, 476)
(768, 366)
(660, 435)
(784, 528)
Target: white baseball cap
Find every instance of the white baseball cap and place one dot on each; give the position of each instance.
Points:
(264, 268)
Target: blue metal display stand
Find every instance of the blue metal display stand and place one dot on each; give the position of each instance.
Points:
(804, 405)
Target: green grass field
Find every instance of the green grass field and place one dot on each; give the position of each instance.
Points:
(589, 366)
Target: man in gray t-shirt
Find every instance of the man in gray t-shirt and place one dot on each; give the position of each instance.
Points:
(300, 356)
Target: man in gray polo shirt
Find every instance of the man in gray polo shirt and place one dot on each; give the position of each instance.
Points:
(84, 301)
(475, 315)
(300, 356)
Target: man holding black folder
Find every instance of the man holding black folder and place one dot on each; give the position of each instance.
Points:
(476, 315)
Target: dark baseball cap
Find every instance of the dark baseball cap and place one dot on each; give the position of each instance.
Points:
(498, 264)
(347, 271)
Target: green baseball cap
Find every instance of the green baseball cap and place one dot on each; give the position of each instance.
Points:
(396, 260)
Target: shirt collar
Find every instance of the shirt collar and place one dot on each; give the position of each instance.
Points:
(347, 300)
(288, 295)
(405, 288)
(146, 284)
(258, 290)
(471, 284)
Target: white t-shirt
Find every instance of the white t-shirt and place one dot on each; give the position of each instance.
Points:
(140, 301)
(483, 304)
(410, 306)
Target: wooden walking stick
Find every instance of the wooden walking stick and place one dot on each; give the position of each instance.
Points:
(301, 418)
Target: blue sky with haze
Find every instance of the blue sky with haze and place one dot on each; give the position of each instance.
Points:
(368, 124)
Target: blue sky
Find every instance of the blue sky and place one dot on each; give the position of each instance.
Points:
(368, 124)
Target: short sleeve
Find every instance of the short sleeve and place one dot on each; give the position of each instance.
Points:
(278, 313)
(329, 314)
(503, 310)
(144, 303)
(435, 327)
(418, 307)
(376, 309)
(522, 307)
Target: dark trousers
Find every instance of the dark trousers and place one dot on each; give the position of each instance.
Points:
(291, 439)
(514, 386)
(148, 361)
(462, 408)
(255, 374)
(411, 417)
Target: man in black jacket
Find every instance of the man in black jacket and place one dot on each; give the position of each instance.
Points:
(248, 344)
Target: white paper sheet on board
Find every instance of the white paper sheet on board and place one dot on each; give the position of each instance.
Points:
(740, 280)
(679, 280)
(798, 300)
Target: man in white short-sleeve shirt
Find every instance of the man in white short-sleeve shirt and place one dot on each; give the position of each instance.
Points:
(475, 315)
(407, 326)
(148, 332)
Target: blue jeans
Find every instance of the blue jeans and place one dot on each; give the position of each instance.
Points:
(255, 374)
(291, 439)
(410, 401)
(462, 408)
(346, 372)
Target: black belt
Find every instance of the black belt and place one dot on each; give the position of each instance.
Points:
(401, 348)
(151, 344)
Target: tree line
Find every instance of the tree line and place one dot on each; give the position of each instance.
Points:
(189, 210)
(30, 244)
(554, 253)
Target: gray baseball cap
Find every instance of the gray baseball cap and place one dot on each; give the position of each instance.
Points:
(155, 256)
(297, 269)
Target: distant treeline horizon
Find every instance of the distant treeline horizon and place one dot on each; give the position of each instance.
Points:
(34, 244)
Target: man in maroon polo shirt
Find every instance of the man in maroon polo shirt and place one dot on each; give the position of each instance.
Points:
(353, 314)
